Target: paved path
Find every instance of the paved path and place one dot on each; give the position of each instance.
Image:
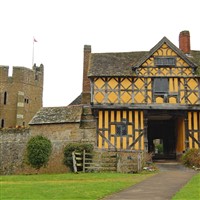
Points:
(162, 186)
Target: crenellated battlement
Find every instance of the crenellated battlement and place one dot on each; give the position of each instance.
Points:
(22, 74)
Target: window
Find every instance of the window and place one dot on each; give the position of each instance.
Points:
(121, 128)
(161, 61)
(161, 85)
(2, 123)
(5, 98)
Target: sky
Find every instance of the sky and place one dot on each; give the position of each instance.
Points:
(63, 27)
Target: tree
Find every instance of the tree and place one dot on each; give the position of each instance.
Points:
(39, 149)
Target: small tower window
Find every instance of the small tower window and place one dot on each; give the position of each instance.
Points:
(5, 98)
(2, 123)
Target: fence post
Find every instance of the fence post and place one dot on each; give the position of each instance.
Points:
(139, 162)
(74, 161)
(84, 160)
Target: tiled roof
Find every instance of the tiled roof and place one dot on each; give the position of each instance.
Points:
(120, 64)
(114, 64)
(194, 56)
(56, 115)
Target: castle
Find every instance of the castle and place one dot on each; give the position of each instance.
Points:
(20, 95)
(129, 101)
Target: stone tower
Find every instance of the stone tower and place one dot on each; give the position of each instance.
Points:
(20, 95)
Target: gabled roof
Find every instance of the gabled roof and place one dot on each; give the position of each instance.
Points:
(164, 40)
(57, 115)
(122, 63)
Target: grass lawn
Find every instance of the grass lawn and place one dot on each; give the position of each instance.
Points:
(66, 186)
(191, 191)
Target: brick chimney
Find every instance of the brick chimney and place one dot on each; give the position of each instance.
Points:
(86, 82)
(184, 41)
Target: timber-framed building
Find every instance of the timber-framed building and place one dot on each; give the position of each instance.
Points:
(140, 97)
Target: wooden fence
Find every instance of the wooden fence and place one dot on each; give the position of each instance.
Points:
(107, 161)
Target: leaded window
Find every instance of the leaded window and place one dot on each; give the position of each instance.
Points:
(161, 85)
(165, 61)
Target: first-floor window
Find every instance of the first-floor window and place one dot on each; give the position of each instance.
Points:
(161, 85)
(121, 129)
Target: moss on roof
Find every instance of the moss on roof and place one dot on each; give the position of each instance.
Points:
(56, 115)
(113, 64)
(195, 57)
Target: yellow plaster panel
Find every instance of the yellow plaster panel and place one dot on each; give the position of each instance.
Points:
(130, 116)
(100, 119)
(189, 120)
(126, 97)
(100, 83)
(106, 119)
(136, 119)
(159, 100)
(172, 100)
(130, 129)
(112, 97)
(193, 84)
(112, 116)
(138, 97)
(112, 83)
(126, 83)
(180, 147)
(98, 97)
(192, 98)
(124, 114)
(118, 116)
(112, 129)
(181, 63)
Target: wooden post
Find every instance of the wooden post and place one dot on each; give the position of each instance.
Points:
(139, 162)
(74, 161)
(84, 160)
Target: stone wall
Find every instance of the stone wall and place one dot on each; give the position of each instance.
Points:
(13, 144)
(12, 147)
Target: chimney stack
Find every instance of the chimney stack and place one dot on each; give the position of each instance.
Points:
(86, 82)
(184, 41)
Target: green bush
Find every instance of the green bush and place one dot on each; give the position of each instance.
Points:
(79, 147)
(160, 148)
(191, 158)
(39, 149)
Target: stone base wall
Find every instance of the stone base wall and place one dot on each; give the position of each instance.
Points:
(12, 147)
(13, 144)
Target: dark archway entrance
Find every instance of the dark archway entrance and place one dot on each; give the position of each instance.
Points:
(162, 137)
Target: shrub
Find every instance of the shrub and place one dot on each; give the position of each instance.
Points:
(191, 158)
(39, 149)
(79, 147)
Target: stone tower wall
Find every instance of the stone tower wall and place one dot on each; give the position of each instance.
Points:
(20, 95)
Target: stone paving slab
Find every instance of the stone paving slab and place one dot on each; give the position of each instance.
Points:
(163, 186)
